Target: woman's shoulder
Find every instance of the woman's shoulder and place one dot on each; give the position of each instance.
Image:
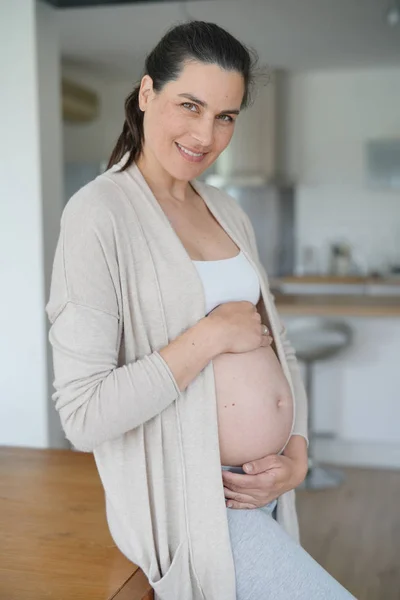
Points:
(105, 203)
(224, 203)
(220, 198)
(97, 196)
(114, 193)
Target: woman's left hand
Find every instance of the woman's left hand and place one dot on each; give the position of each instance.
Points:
(269, 477)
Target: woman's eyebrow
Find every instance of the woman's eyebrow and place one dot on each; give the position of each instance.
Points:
(233, 111)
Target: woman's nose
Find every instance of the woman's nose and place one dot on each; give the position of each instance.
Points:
(203, 132)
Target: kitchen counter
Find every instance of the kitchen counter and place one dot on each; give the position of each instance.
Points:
(337, 295)
(338, 304)
(55, 541)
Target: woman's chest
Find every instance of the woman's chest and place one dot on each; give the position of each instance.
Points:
(201, 235)
(161, 289)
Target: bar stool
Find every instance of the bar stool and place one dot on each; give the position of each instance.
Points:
(316, 339)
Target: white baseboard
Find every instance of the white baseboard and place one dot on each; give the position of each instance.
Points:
(357, 454)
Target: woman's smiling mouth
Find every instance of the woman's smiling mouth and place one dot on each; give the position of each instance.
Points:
(189, 154)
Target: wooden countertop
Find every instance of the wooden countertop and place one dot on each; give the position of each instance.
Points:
(54, 540)
(326, 304)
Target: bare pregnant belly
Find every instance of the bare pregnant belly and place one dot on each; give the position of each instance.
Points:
(255, 407)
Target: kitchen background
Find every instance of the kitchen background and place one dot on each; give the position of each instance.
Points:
(316, 164)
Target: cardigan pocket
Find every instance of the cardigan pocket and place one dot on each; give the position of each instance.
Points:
(175, 583)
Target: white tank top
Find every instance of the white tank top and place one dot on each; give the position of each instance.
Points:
(228, 280)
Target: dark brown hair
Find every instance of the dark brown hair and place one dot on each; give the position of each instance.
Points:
(196, 40)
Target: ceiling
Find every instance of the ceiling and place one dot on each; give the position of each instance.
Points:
(291, 34)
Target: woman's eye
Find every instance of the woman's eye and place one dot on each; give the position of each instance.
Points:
(190, 106)
(226, 118)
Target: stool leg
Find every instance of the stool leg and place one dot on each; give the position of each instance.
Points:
(317, 478)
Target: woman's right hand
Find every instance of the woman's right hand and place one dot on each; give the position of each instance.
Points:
(239, 325)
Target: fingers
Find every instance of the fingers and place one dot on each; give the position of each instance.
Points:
(266, 340)
(238, 497)
(240, 505)
(268, 464)
(235, 500)
(239, 482)
(249, 485)
(265, 330)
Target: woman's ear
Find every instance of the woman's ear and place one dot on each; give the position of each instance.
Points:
(146, 92)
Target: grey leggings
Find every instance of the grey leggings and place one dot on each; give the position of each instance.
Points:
(270, 565)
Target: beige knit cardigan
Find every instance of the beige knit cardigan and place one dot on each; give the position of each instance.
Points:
(123, 287)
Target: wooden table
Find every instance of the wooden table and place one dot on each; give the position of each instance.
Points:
(54, 539)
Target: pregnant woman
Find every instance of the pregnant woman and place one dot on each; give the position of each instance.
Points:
(170, 362)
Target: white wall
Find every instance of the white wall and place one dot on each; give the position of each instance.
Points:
(94, 141)
(52, 174)
(369, 220)
(22, 354)
(329, 118)
(24, 377)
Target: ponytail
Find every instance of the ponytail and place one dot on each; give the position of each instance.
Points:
(132, 136)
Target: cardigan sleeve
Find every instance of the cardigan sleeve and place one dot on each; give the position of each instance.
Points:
(96, 400)
(300, 423)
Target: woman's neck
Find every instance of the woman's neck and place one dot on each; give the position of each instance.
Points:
(161, 183)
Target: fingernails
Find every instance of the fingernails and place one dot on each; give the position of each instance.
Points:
(248, 468)
(229, 504)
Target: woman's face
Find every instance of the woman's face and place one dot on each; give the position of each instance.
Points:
(191, 120)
